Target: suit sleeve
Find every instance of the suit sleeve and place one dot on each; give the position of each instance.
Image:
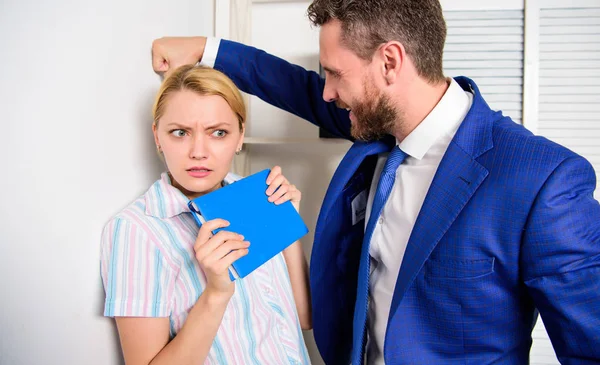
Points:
(560, 261)
(282, 84)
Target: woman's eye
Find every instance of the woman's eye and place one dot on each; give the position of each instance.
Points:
(220, 133)
(178, 133)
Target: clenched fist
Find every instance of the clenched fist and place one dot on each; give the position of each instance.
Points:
(168, 53)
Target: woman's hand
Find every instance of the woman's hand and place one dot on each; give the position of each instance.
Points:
(280, 190)
(215, 253)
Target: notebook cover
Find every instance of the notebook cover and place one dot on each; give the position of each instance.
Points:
(268, 227)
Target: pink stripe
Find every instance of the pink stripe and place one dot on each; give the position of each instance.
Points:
(287, 297)
(172, 202)
(131, 267)
(234, 328)
(147, 281)
(256, 329)
(285, 294)
(265, 313)
(185, 293)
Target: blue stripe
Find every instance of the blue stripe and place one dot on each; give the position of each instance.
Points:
(189, 261)
(126, 291)
(160, 200)
(219, 351)
(277, 309)
(157, 287)
(109, 310)
(246, 307)
(302, 346)
(140, 274)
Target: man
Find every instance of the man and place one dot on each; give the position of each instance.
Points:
(446, 224)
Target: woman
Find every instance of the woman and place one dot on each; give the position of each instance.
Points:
(167, 285)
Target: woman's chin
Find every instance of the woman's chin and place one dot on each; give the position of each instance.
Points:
(194, 187)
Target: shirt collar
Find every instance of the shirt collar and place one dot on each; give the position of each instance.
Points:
(163, 200)
(444, 119)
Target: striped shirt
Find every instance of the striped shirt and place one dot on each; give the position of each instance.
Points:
(149, 269)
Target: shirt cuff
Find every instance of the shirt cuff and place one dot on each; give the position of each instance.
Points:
(211, 50)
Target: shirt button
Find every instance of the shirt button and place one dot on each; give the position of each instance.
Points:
(380, 220)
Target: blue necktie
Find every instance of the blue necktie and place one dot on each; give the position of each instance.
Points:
(386, 182)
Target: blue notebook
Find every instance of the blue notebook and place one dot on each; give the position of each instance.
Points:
(268, 227)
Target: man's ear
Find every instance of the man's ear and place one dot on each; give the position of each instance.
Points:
(393, 55)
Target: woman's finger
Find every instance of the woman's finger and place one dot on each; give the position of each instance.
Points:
(283, 189)
(206, 230)
(275, 171)
(232, 257)
(226, 248)
(293, 194)
(276, 183)
(214, 242)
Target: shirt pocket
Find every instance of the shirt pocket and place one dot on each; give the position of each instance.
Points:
(459, 269)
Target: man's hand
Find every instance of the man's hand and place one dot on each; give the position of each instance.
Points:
(168, 53)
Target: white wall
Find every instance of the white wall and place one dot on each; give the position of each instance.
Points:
(76, 86)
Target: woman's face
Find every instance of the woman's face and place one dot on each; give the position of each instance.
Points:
(198, 136)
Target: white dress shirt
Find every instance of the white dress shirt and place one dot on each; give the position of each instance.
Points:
(425, 147)
(211, 50)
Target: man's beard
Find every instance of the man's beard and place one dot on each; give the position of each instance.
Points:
(375, 116)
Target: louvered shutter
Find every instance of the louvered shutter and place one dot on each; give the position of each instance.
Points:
(487, 46)
(569, 78)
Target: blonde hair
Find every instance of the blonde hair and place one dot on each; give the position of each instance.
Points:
(203, 81)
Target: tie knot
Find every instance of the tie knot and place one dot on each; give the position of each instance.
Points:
(394, 160)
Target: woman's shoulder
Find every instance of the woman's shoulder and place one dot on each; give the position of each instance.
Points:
(136, 212)
(133, 213)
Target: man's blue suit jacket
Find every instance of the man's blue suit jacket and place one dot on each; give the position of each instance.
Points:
(508, 225)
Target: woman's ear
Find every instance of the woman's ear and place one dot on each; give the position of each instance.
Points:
(155, 132)
(241, 141)
(156, 141)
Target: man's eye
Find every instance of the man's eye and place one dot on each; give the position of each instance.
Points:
(178, 132)
(220, 133)
(332, 75)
